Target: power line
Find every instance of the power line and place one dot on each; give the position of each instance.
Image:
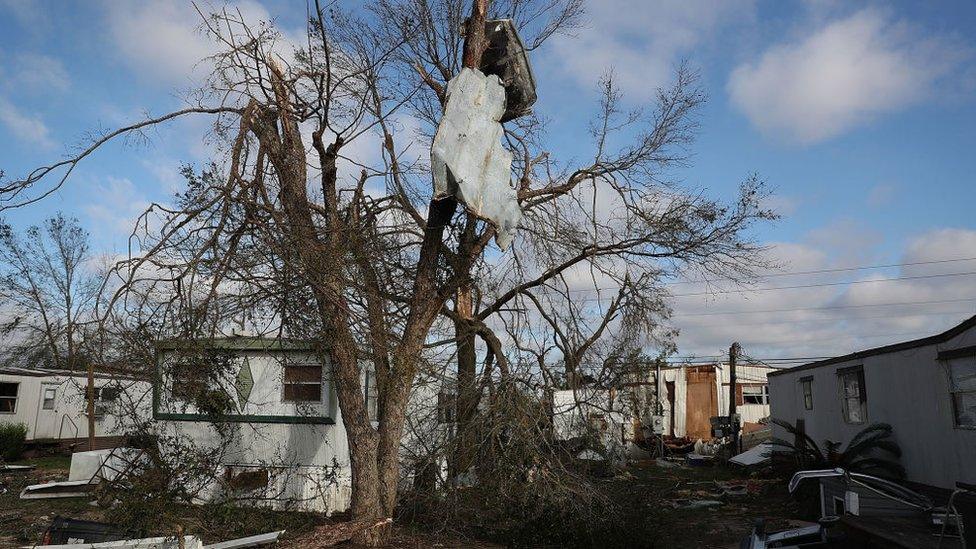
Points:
(774, 288)
(806, 320)
(830, 307)
(824, 284)
(826, 271)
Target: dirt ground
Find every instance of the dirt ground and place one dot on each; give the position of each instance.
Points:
(669, 505)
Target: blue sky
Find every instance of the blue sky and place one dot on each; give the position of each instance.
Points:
(861, 116)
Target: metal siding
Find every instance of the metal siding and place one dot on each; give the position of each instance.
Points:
(909, 390)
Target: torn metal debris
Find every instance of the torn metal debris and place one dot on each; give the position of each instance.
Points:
(467, 156)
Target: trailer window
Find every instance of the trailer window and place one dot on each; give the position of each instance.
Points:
(49, 394)
(806, 384)
(962, 386)
(8, 398)
(755, 394)
(303, 383)
(854, 395)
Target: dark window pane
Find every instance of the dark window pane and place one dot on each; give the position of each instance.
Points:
(303, 392)
(8, 389)
(303, 374)
(965, 404)
(7, 405)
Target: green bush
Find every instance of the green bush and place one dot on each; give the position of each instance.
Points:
(12, 440)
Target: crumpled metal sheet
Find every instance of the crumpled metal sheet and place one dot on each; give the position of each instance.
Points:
(467, 157)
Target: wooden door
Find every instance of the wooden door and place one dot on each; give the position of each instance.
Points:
(701, 402)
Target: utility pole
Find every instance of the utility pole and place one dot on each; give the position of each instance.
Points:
(733, 424)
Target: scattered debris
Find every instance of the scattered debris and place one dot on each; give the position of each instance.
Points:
(259, 540)
(590, 455)
(695, 503)
(709, 448)
(679, 445)
(754, 456)
(467, 157)
(187, 542)
(805, 536)
(335, 534)
(698, 459)
(87, 470)
(68, 489)
(70, 531)
(16, 468)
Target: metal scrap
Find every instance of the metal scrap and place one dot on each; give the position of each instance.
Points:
(467, 156)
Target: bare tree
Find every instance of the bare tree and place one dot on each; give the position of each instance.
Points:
(49, 289)
(371, 266)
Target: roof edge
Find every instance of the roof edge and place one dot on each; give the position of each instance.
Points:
(237, 343)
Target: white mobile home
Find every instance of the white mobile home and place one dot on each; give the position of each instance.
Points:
(693, 394)
(268, 408)
(52, 404)
(926, 390)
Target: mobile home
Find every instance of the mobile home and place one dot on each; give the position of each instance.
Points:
(925, 389)
(52, 404)
(268, 408)
(692, 394)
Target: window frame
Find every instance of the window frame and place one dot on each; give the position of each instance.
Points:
(862, 394)
(285, 384)
(805, 384)
(954, 392)
(15, 398)
(53, 399)
(763, 394)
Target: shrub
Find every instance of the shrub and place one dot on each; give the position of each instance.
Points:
(13, 437)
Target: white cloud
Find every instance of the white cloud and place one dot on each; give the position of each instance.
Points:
(38, 72)
(641, 41)
(794, 323)
(118, 206)
(781, 204)
(24, 127)
(841, 76)
(849, 241)
(163, 41)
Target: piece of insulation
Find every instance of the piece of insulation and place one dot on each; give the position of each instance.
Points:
(467, 157)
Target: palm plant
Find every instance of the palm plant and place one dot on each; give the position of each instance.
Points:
(871, 451)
